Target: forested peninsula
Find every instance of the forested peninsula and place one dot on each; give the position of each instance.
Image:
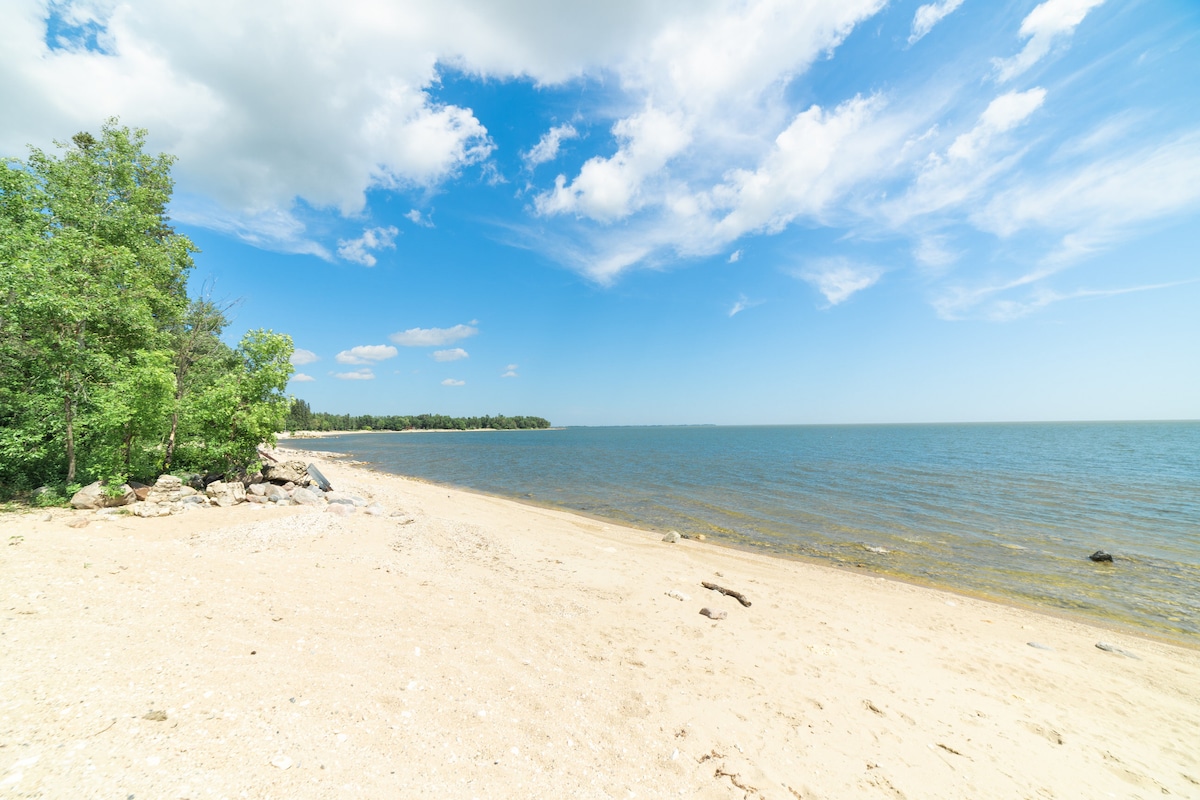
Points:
(108, 369)
(302, 418)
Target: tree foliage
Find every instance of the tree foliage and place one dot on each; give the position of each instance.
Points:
(301, 417)
(104, 360)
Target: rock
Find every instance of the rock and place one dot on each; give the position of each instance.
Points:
(256, 498)
(289, 486)
(141, 492)
(307, 497)
(375, 510)
(78, 523)
(1109, 648)
(156, 716)
(283, 762)
(94, 496)
(678, 595)
(226, 494)
(187, 491)
(165, 490)
(195, 481)
(283, 501)
(194, 500)
(1100, 555)
(708, 612)
(257, 490)
(285, 472)
(343, 497)
(340, 509)
(672, 537)
(274, 493)
(144, 509)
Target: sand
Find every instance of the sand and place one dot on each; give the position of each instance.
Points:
(469, 646)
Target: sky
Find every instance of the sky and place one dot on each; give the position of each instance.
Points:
(672, 212)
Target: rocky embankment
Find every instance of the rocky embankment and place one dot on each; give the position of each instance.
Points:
(282, 483)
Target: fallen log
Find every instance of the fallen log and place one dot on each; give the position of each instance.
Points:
(741, 598)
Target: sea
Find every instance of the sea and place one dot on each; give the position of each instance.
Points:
(1005, 511)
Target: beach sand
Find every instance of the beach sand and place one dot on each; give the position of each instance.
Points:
(469, 646)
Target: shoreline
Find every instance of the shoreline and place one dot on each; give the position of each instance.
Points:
(469, 645)
(1111, 623)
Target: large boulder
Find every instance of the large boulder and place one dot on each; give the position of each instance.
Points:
(226, 494)
(286, 472)
(165, 490)
(307, 497)
(95, 495)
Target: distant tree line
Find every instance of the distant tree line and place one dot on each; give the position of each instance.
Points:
(301, 417)
(108, 369)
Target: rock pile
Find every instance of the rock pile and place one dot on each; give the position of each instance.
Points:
(283, 483)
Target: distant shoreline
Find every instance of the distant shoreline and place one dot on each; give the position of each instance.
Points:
(326, 434)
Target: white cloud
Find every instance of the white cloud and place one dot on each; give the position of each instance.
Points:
(417, 218)
(449, 355)
(510, 372)
(364, 374)
(547, 147)
(1048, 21)
(300, 377)
(453, 382)
(734, 257)
(432, 337)
(838, 278)
(359, 250)
(366, 354)
(929, 15)
(300, 357)
(742, 304)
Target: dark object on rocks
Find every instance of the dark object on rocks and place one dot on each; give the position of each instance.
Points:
(268, 457)
(708, 612)
(319, 479)
(741, 598)
(156, 716)
(210, 478)
(1100, 555)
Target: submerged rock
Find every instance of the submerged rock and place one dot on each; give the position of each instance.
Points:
(1100, 555)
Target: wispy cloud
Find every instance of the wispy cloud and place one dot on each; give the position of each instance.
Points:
(300, 357)
(300, 377)
(366, 354)
(547, 147)
(417, 218)
(372, 239)
(1049, 21)
(742, 304)
(838, 279)
(453, 382)
(734, 257)
(364, 374)
(929, 15)
(433, 337)
(510, 371)
(449, 355)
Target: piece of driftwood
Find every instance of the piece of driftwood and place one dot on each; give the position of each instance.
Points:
(268, 457)
(741, 598)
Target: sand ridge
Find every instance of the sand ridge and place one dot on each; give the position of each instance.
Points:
(471, 646)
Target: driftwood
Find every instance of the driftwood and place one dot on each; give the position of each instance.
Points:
(268, 457)
(741, 598)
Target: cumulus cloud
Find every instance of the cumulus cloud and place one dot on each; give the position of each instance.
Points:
(300, 377)
(449, 355)
(929, 15)
(547, 147)
(364, 374)
(839, 278)
(359, 250)
(735, 257)
(453, 382)
(1049, 21)
(417, 218)
(432, 337)
(300, 357)
(366, 354)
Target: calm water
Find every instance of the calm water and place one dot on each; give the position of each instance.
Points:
(1006, 510)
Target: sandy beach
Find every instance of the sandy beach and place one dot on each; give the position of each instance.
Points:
(467, 646)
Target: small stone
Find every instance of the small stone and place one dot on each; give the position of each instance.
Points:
(708, 612)
(375, 510)
(1100, 555)
(78, 523)
(1110, 648)
(256, 498)
(672, 537)
(340, 509)
(283, 762)
(1039, 646)
(678, 595)
(156, 716)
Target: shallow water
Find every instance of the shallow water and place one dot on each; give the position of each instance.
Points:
(1004, 510)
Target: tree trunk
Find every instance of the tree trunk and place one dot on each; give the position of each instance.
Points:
(70, 441)
(171, 438)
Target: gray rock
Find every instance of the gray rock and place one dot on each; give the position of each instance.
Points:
(257, 489)
(672, 537)
(94, 496)
(165, 490)
(274, 493)
(307, 497)
(375, 510)
(342, 497)
(226, 494)
(286, 472)
(187, 491)
(256, 498)
(340, 509)
(1100, 555)
(194, 500)
(283, 501)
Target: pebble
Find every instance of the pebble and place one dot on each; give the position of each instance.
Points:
(708, 612)
(678, 595)
(672, 537)
(1111, 648)
(283, 762)
(1039, 645)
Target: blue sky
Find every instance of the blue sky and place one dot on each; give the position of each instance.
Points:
(684, 212)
